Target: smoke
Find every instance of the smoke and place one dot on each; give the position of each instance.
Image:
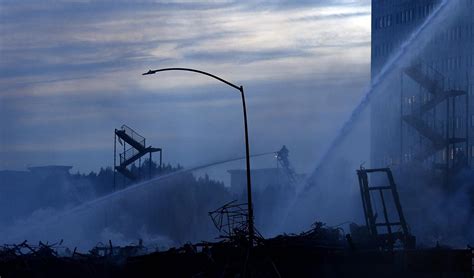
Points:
(441, 213)
(333, 197)
(172, 209)
(169, 211)
(331, 192)
(407, 52)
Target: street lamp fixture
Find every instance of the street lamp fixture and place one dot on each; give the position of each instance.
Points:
(250, 224)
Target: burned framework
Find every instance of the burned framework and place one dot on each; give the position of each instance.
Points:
(383, 239)
(134, 148)
(231, 220)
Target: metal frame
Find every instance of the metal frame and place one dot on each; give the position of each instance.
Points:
(440, 93)
(135, 152)
(383, 240)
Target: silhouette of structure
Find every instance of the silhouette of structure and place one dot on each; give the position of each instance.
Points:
(424, 118)
(231, 220)
(441, 119)
(383, 233)
(134, 148)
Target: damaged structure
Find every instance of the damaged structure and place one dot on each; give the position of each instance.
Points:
(430, 121)
(322, 251)
(388, 237)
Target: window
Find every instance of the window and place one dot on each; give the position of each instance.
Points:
(441, 126)
(459, 122)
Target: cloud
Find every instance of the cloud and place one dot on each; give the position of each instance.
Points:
(71, 71)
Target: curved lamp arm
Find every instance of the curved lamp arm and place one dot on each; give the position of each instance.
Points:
(197, 71)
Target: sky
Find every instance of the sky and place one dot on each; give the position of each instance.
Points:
(70, 73)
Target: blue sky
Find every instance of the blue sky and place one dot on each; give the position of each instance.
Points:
(70, 72)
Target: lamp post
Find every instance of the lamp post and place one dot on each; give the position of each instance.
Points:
(250, 223)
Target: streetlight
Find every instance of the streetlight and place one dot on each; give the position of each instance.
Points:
(251, 229)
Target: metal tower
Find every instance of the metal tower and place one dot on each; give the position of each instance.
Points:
(134, 148)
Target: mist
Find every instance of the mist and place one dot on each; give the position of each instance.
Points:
(323, 116)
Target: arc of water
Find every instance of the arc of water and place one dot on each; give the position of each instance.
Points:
(388, 68)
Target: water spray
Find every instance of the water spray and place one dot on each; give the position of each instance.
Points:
(378, 79)
(388, 68)
(91, 204)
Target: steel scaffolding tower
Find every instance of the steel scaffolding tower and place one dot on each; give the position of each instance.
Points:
(134, 148)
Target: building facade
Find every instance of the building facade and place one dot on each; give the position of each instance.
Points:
(425, 117)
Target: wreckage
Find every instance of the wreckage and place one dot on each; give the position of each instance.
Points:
(379, 249)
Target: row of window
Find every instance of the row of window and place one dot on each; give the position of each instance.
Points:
(412, 100)
(383, 50)
(409, 15)
(456, 33)
(462, 32)
(445, 64)
(403, 17)
(456, 153)
(457, 122)
(452, 63)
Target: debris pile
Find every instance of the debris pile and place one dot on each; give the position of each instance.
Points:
(321, 251)
(319, 235)
(56, 260)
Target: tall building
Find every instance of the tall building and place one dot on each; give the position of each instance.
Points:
(425, 118)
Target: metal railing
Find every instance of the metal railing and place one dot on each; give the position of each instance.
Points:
(430, 72)
(128, 154)
(134, 135)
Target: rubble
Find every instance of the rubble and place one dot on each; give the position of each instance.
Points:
(322, 251)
